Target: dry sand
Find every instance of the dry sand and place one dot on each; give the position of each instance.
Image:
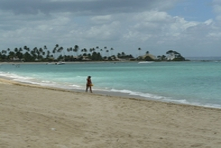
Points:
(37, 117)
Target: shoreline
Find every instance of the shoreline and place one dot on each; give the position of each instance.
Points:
(6, 80)
(112, 94)
(108, 93)
(36, 116)
(121, 95)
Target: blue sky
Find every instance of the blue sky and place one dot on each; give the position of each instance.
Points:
(193, 10)
(191, 27)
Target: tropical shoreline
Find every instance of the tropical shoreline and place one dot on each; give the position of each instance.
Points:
(105, 89)
(35, 116)
(101, 91)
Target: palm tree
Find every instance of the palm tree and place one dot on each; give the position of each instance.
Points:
(139, 49)
(53, 51)
(112, 51)
(123, 54)
(56, 45)
(45, 47)
(60, 51)
(76, 48)
(4, 52)
(101, 51)
(40, 55)
(25, 47)
(119, 55)
(84, 50)
(40, 50)
(3, 56)
(92, 49)
(11, 55)
(48, 54)
(107, 51)
(16, 49)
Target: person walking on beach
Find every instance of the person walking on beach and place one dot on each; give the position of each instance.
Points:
(89, 84)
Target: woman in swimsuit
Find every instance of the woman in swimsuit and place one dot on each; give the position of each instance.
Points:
(89, 84)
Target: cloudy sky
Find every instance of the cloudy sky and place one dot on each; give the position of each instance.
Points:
(191, 27)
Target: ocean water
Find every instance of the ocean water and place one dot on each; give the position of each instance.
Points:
(193, 82)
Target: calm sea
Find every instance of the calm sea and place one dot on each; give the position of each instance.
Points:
(193, 82)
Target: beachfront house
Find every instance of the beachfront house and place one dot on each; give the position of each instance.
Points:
(174, 56)
(148, 57)
(171, 56)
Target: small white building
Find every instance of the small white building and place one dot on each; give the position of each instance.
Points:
(171, 56)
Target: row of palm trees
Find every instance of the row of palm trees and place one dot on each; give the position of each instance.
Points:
(58, 53)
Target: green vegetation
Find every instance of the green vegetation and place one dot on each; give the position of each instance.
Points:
(58, 53)
(171, 56)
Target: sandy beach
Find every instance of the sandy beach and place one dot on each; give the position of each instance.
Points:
(38, 117)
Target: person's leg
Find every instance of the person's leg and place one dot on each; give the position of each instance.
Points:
(90, 89)
(86, 88)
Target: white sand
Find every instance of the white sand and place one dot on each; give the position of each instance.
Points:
(38, 117)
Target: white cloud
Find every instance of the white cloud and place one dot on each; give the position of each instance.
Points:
(101, 19)
(208, 22)
(217, 9)
(152, 16)
(103, 32)
(158, 25)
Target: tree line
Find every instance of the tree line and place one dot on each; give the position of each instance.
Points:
(58, 53)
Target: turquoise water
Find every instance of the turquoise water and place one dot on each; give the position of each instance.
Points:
(195, 82)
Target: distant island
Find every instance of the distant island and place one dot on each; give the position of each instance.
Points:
(72, 54)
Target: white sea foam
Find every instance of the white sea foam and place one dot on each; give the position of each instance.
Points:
(164, 99)
(15, 76)
(145, 95)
